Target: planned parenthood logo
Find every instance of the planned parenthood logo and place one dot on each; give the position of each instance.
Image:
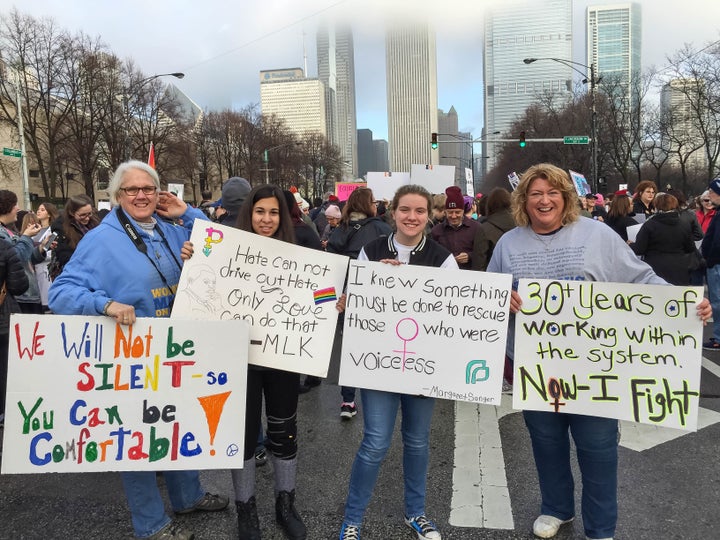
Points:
(476, 371)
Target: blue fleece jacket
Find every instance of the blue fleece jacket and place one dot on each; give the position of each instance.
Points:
(107, 265)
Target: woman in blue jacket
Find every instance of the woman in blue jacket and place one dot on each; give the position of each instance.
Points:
(128, 267)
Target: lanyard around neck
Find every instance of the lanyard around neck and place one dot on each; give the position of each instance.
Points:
(142, 247)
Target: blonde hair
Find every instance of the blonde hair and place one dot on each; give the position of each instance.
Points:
(558, 179)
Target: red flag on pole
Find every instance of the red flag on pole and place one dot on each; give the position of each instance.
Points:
(151, 156)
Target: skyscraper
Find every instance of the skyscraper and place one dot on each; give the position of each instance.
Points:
(336, 69)
(298, 101)
(614, 43)
(515, 30)
(679, 102)
(411, 69)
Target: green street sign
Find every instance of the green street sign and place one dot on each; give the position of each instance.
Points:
(12, 152)
(576, 139)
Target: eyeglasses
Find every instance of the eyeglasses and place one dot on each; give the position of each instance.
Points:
(133, 191)
(83, 216)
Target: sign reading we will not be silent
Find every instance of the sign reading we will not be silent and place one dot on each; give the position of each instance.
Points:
(286, 293)
(86, 394)
(426, 331)
(616, 350)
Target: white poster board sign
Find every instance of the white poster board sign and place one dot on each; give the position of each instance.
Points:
(434, 178)
(86, 395)
(469, 183)
(385, 184)
(178, 190)
(286, 293)
(616, 350)
(632, 230)
(426, 331)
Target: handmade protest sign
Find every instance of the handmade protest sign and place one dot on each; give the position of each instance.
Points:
(425, 331)
(286, 293)
(616, 350)
(87, 394)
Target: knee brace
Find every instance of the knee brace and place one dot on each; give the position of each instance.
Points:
(282, 436)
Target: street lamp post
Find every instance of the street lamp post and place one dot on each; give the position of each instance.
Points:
(593, 116)
(126, 99)
(266, 157)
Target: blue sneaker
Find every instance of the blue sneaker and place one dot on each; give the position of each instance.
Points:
(349, 532)
(423, 527)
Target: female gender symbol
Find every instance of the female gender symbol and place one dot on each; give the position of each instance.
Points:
(409, 329)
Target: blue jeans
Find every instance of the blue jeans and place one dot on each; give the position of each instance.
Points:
(379, 413)
(146, 505)
(713, 281)
(596, 443)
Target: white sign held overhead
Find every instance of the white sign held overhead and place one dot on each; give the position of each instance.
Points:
(385, 184)
(434, 178)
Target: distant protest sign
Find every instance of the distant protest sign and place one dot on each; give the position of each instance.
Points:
(434, 178)
(344, 189)
(286, 293)
(385, 184)
(86, 395)
(615, 350)
(425, 331)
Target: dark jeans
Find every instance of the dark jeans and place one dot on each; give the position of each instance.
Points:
(4, 341)
(280, 389)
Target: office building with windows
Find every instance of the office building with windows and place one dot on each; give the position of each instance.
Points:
(296, 100)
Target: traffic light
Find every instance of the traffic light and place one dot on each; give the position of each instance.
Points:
(522, 139)
(433, 141)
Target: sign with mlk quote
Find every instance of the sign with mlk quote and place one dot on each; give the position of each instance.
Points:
(87, 394)
(617, 350)
(286, 293)
(425, 331)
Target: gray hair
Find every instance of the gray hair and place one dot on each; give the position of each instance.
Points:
(118, 177)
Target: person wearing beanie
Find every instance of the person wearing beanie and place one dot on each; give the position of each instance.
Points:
(457, 232)
(234, 192)
(710, 249)
(332, 216)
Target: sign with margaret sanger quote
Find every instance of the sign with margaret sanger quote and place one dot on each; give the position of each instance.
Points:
(86, 394)
(425, 331)
(617, 350)
(286, 293)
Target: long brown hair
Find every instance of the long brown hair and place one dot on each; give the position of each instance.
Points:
(285, 231)
(70, 227)
(360, 201)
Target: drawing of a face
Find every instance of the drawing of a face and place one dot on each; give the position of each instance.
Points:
(201, 282)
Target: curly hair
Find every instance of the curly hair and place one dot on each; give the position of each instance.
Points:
(8, 200)
(558, 179)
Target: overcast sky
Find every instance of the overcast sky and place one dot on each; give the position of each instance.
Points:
(221, 46)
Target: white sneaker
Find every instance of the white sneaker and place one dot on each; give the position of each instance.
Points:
(547, 526)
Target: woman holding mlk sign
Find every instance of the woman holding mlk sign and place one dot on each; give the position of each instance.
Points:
(117, 271)
(546, 211)
(411, 209)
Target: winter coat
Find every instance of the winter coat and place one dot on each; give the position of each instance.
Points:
(12, 274)
(665, 241)
(349, 238)
(488, 235)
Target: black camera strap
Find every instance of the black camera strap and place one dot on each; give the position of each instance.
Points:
(142, 247)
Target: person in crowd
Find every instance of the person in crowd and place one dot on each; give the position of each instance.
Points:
(665, 241)
(481, 204)
(78, 218)
(619, 216)
(457, 232)
(332, 216)
(359, 225)
(438, 210)
(411, 207)
(499, 221)
(705, 211)
(234, 193)
(551, 241)
(318, 214)
(206, 204)
(29, 300)
(13, 282)
(710, 249)
(126, 289)
(643, 198)
(469, 207)
(687, 215)
(265, 212)
(46, 213)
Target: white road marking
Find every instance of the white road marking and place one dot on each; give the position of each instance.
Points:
(480, 493)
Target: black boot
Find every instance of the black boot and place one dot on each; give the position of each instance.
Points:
(287, 516)
(248, 522)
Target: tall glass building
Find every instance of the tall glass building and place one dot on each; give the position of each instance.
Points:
(515, 30)
(411, 69)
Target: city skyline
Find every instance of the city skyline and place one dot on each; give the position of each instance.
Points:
(221, 48)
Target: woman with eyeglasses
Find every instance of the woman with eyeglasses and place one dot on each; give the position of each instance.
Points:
(77, 219)
(705, 211)
(140, 255)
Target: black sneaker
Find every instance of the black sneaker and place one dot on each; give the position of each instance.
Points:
(712, 345)
(260, 457)
(347, 411)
